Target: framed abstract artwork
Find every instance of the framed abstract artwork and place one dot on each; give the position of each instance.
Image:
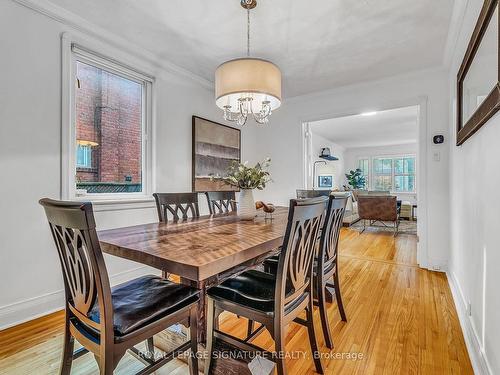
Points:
(215, 147)
(478, 86)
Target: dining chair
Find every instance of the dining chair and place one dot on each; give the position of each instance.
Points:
(325, 267)
(326, 264)
(109, 322)
(305, 194)
(274, 300)
(220, 202)
(179, 205)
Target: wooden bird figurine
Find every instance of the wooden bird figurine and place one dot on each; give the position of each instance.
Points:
(267, 208)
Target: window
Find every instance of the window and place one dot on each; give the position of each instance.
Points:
(364, 165)
(404, 174)
(83, 156)
(395, 174)
(382, 174)
(110, 117)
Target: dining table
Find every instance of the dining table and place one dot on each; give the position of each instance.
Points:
(202, 251)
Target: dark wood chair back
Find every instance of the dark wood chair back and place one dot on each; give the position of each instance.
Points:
(220, 202)
(84, 272)
(330, 233)
(294, 275)
(305, 194)
(179, 205)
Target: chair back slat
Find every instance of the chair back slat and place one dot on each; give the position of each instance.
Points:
(221, 202)
(331, 231)
(296, 258)
(84, 273)
(179, 205)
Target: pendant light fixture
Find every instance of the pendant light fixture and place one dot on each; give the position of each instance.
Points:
(248, 86)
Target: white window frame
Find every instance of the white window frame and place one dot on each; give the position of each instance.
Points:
(371, 174)
(86, 52)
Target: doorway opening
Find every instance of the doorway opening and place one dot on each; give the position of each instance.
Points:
(376, 153)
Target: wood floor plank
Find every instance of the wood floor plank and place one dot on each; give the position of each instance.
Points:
(402, 319)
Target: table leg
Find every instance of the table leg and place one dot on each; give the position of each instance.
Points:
(202, 308)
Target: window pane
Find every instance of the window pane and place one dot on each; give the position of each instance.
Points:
(382, 166)
(387, 168)
(401, 183)
(363, 165)
(382, 183)
(404, 183)
(399, 166)
(377, 166)
(108, 131)
(409, 165)
(411, 183)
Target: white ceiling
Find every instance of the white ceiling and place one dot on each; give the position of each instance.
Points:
(318, 44)
(390, 127)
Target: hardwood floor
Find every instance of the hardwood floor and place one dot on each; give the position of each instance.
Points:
(401, 320)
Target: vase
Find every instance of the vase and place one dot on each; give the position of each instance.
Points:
(246, 206)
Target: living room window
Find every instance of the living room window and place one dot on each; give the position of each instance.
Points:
(396, 173)
(110, 120)
(382, 174)
(404, 174)
(364, 165)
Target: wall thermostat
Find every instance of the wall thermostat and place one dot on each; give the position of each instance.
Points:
(438, 139)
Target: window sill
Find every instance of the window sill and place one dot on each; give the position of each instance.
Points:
(118, 204)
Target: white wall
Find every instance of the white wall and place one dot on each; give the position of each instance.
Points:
(475, 220)
(352, 155)
(282, 141)
(332, 167)
(30, 148)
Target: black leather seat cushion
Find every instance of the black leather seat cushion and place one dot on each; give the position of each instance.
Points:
(144, 300)
(253, 289)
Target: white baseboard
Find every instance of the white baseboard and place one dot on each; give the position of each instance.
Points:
(32, 308)
(476, 352)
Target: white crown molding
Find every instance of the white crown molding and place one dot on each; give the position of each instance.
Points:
(476, 352)
(456, 23)
(80, 24)
(32, 308)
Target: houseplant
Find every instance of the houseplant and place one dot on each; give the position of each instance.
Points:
(356, 179)
(239, 175)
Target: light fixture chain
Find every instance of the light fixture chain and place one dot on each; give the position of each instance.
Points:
(248, 32)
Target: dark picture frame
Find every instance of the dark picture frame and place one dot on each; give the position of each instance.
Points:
(214, 147)
(491, 104)
(325, 181)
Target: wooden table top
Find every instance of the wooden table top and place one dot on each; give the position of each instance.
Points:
(199, 248)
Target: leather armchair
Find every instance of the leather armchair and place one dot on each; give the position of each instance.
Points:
(378, 208)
